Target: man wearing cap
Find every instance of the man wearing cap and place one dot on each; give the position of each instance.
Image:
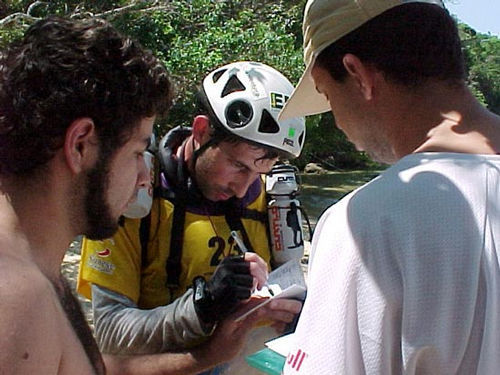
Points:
(404, 275)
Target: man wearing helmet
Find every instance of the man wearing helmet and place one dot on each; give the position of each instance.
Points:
(71, 159)
(177, 273)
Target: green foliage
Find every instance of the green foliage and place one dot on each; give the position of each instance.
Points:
(328, 145)
(193, 37)
(8, 35)
(13, 31)
(482, 54)
(205, 34)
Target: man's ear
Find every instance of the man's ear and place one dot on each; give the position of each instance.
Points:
(201, 129)
(363, 74)
(80, 144)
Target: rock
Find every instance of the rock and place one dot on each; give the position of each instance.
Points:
(314, 168)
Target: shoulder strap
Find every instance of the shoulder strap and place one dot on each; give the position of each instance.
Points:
(233, 219)
(256, 215)
(173, 266)
(178, 195)
(144, 237)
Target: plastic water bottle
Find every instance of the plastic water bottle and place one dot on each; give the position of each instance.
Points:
(285, 218)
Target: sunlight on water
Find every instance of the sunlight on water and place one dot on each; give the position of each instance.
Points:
(320, 191)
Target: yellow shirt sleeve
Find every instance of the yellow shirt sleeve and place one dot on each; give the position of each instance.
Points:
(114, 263)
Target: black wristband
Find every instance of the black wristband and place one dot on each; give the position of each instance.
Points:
(216, 298)
(203, 303)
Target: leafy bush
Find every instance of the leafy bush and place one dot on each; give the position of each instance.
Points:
(193, 37)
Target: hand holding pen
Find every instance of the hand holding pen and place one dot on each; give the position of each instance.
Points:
(233, 281)
(258, 267)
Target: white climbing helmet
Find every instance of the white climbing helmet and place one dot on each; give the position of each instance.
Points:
(247, 97)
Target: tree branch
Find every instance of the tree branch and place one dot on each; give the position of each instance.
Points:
(33, 6)
(14, 17)
(143, 6)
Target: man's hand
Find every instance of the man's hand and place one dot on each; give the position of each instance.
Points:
(258, 269)
(233, 281)
(226, 342)
(230, 336)
(218, 297)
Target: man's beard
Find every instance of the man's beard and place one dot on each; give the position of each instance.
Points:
(202, 177)
(100, 223)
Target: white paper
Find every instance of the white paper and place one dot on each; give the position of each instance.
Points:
(287, 274)
(282, 344)
(293, 291)
(289, 278)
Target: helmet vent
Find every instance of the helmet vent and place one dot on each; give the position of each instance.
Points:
(238, 114)
(232, 85)
(301, 138)
(218, 74)
(268, 124)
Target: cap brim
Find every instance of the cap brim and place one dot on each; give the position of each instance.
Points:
(305, 99)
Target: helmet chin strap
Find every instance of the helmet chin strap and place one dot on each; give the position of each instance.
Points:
(197, 153)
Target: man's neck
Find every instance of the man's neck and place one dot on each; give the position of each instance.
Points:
(467, 128)
(442, 118)
(41, 221)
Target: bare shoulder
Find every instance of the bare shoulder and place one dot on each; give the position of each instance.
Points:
(22, 284)
(29, 316)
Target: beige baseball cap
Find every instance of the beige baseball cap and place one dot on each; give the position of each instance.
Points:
(326, 21)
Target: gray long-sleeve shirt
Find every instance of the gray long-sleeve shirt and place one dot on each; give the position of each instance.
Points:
(121, 327)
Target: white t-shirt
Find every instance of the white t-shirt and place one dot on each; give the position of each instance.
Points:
(404, 276)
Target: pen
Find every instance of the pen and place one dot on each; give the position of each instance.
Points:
(244, 250)
(239, 242)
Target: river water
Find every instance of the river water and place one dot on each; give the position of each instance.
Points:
(320, 191)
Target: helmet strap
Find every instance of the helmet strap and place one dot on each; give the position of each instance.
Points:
(199, 151)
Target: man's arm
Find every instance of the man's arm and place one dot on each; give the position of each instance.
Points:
(226, 342)
(110, 272)
(121, 327)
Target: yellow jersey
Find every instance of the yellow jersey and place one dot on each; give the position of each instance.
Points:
(117, 263)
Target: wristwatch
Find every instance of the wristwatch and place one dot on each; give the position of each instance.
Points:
(203, 303)
(199, 284)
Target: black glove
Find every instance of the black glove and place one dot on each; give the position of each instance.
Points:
(218, 297)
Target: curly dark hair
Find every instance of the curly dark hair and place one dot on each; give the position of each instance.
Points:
(63, 70)
(409, 43)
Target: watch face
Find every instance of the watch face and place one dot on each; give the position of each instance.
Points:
(199, 290)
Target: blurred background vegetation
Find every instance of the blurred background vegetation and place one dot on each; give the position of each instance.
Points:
(193, 37)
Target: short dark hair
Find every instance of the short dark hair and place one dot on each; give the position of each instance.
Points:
(220, 134)
(410, 44)
(63, 70)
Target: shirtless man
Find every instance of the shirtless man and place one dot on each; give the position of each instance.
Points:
(77, 105)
